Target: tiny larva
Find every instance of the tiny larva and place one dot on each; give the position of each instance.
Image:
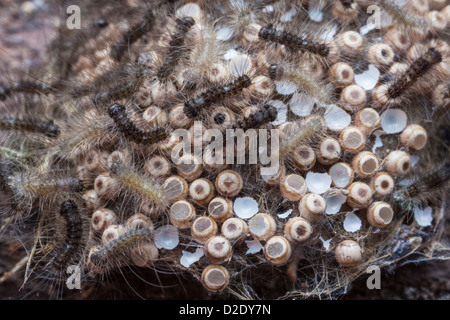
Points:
(193, 107)
(144, 188)
(266, 114)
(47, 128)
(417, 69)
(175, 50)
(132, 35)
(27, 87)
(425, 188)
(294, 42)
(70, 249)
(422, 70)
(119, 248)
(128, 128)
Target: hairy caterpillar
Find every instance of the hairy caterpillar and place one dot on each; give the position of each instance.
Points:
(193, 107)
(424, 188)
(120, 91)
(116, 251)
(293, 42)
(47, 128)
(147, 190)
(417, 69)
(393, 92)
(74, 230)
(266, 114)
(128, 128)
(401, 16)
(27, 87)
(304, 132)
(133, 35)
(175, 50)
(27, 185)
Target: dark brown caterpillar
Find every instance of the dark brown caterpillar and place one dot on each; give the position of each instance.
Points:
(67, 252)
(133, 35)
(28, 87)
(126, 126)
(266, 114)
(193, 107)
(175, 50)
(422, 65)
(47, 128)
(119, 247)
(424, 188)
(124, 85)
(268, 33)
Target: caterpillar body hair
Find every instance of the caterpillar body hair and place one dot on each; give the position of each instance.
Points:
(71, 248)
(175, 49)
(120, 91)
(193, 107)
(146, 190)
(204, 65)
(309, 82)
(303, 43)
(132, 35)
(266, 114)
(403, 17)
(26, 87)
(418, 68)
(91, 128)
(48, 128)
(306, 131)
(128, 128)
(14, 155)
(116, 252)
(395, 91)
(29, 185)
(425, 188)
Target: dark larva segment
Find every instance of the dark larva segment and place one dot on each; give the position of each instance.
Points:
(265, 115)
(127, 127)
(421, 66)
(193, 107)
(47, 128)
(270, 34)
(175, 50)
(68, 250)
